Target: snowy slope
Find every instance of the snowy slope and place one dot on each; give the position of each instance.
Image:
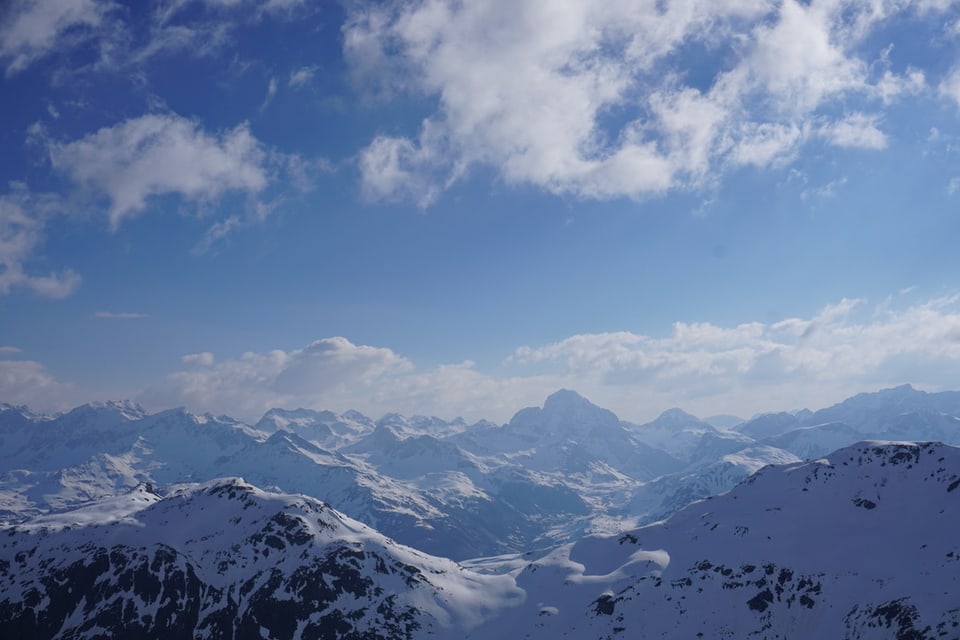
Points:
(861, 544)
(666, 495)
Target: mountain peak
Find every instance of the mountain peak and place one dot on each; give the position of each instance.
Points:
(566, 404)
(563, 411)
(677, 419)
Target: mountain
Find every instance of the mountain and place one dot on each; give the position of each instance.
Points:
(668, 494)
(551, 475)
(900, 413)
(97, 451)
(324, 428)
(838, 547)
(574, 437)
(225, 559)
(841, 547)
(676, 432)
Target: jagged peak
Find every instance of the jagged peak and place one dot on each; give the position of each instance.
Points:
(127, 409)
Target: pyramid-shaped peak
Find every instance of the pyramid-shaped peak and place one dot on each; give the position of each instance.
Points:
(565, 400)
(678, 418)
(565, 410)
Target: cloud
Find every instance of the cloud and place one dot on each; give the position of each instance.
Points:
(301, 77)
(23, 218)
(32, 29)
(271, 93)
(9, 350)
(950, 86)
(160, 154)
(858, 130)
(332, 372)
(25, 382)
(619, 99)
(119, 316)
(841, 349)
(204, 359)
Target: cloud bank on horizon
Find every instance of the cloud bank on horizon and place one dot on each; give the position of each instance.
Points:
(843, 349)
(168, 160)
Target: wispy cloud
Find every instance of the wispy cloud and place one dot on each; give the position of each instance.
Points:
(30, 30)
(778, 75)
(23, 219)
(7, 350)
(119, 316)
(301, 77)
(271, 94)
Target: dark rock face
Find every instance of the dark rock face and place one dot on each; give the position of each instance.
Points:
(110, 589)
(156, 593)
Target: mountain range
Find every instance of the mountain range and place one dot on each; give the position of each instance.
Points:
(564, 519)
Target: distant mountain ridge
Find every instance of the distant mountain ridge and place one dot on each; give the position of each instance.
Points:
(548, 476)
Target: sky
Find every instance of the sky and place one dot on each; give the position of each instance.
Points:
(455, 209)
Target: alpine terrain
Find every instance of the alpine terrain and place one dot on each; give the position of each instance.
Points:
(564, 522)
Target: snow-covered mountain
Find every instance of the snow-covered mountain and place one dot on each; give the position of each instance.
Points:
(550, 475)
(571, 436)
(900, 413)
(224, 559)
(99, 451)
(839, 547)
(326, 429)
(676, 432)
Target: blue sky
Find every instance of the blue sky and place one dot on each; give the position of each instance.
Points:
(730, 206)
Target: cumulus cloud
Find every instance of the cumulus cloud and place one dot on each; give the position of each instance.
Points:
(842, 349)
(23, 218)
(332, 372)
(600, 100)
(26, 382)
(161, 154)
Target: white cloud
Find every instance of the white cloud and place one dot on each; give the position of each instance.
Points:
(597, 100)
(23, 219)
(859, 130)
(332, 372)
(271, 93)
(950, 86)
(203, 359)
(840, 350)
(123, 315)
(9, 350)
(843, 349)
(301, 77)
(31, 29)
(163, 154)
(25, 382)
